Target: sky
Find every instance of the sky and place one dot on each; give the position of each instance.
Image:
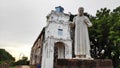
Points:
(21, 21)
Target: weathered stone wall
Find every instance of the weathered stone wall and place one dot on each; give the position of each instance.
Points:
(4, 65)
(77, 63)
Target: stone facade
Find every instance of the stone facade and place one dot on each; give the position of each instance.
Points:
(58, 43)
(36, 51)
(54, 42)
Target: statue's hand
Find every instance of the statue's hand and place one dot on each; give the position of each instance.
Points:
(86, 22)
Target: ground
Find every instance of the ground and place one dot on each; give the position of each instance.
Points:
(23, 66)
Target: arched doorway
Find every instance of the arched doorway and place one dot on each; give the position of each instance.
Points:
(59, 51)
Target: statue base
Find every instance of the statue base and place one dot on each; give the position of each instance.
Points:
(83, 57)
(80, 63)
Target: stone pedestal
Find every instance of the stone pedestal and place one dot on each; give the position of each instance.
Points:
(79, 63)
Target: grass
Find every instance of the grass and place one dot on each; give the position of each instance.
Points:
(12, 67)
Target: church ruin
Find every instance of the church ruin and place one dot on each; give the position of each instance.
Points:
(56, 41)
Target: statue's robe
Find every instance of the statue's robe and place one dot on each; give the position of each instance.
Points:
(82, 43)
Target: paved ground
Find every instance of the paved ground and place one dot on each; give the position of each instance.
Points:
(25, 66)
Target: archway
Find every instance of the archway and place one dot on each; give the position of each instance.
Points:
(59, 51)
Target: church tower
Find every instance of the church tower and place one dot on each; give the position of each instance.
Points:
(57, 43)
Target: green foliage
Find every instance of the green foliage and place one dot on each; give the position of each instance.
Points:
(105, 35)
(5, 57)
(23, 61)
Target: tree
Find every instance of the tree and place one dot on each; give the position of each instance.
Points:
(23, 61)
(114, 36)
(5, 57)
(105, 35)
(99, 33)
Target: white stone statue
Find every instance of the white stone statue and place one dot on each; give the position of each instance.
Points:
(82, 43)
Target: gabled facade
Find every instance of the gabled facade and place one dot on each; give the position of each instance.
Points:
(54, 42)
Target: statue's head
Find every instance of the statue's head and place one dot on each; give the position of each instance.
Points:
(81, 11)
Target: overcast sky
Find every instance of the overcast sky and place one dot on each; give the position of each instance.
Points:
(21, 21)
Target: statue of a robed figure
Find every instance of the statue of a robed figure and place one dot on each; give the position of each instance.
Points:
(82, 42)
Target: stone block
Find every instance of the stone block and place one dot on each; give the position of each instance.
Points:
(80, 63)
